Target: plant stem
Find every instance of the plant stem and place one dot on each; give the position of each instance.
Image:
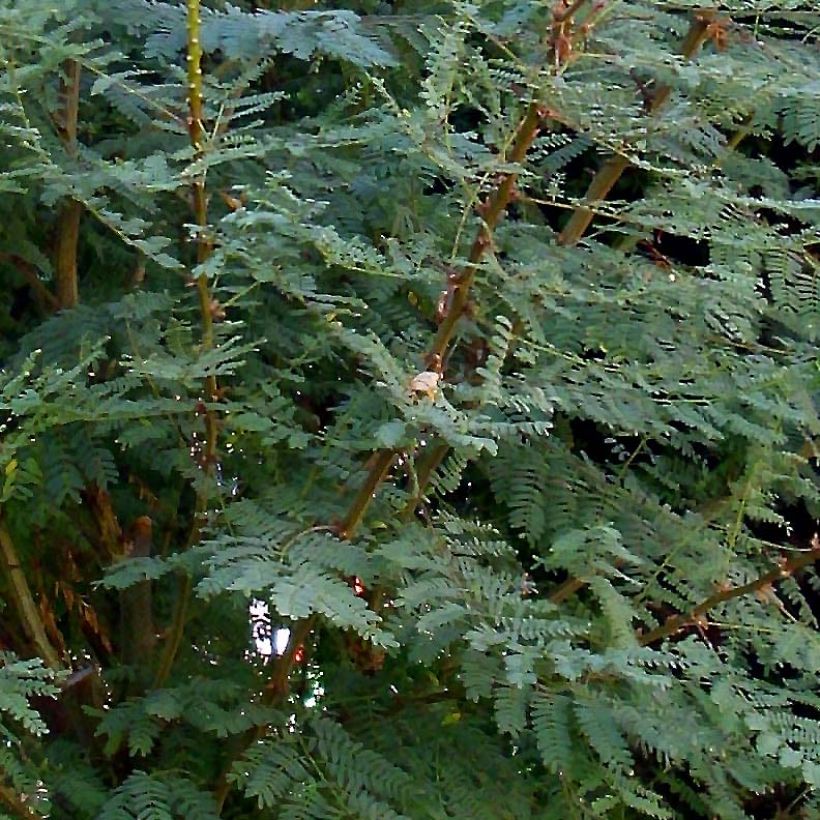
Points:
(45, 299)
(70, 211)
(612, 170)
(24, 601)
(784, 570)
(426, 466)
(277, 688)
(275, 692)
(200, 205)
(174, 638)
(570, 12)
(203, 251)
(566, 590)
(15, 805)
(494, 208)
(200, 209)
(579, 221)
(382, 462)
(491, 210)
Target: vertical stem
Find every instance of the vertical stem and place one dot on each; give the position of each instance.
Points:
(203, 251)
(174, 639)
(200, 205)
(427, 464)
(70, 211)
(275, 692)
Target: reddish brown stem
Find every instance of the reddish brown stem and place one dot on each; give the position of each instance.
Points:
(277, 688)
(568, 13)
(566, 590)
(70, 211)
(784, 570)
(613, 169)
(15, 804)
(275, 692)
(45, 299)
(573, 231)
(491, 211)
(380, 468)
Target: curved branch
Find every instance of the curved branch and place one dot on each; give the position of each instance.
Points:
(27, 610)
(45, 299)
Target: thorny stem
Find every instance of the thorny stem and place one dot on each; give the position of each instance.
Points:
(570, 11)
(491, 211)
(784, 570)
(427, 464)
(203, 251)
(200, 204)
(612, 170)
(277, 687)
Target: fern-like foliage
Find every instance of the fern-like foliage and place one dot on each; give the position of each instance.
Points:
(409, 410)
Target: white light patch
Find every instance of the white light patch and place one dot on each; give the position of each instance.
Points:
(266, 642)
(281, 638)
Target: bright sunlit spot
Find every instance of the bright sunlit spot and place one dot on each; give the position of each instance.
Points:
(267, 642)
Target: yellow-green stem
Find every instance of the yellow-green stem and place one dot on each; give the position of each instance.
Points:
(206, 309)
(200, 208)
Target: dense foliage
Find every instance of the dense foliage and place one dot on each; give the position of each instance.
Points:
(409, 409)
